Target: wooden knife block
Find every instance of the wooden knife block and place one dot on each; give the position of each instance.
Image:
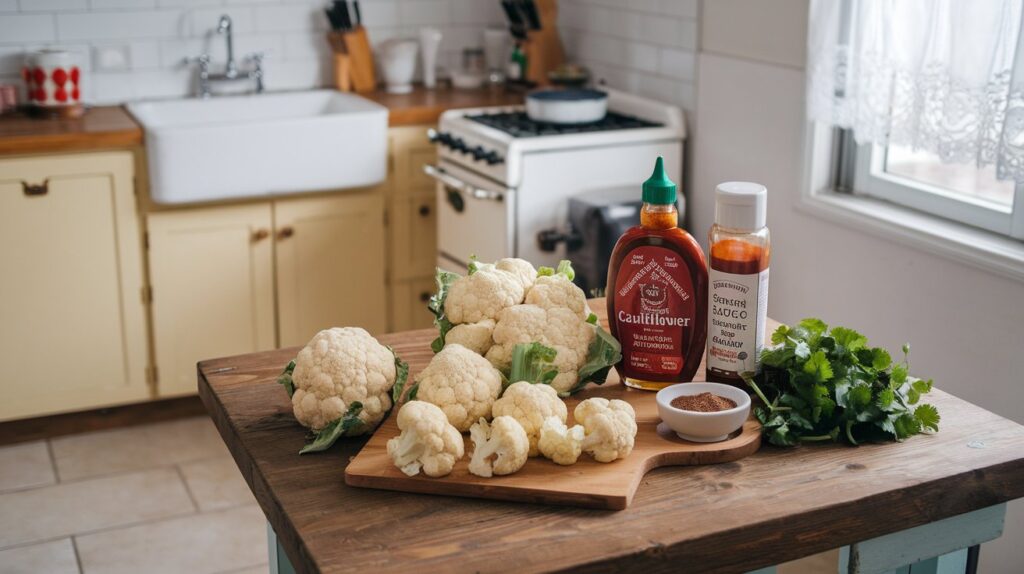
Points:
(543, 47)
(353, 61)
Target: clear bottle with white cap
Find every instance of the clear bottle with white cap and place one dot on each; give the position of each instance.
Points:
(740, 250)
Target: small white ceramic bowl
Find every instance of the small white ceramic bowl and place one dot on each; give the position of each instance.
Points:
(703, 427)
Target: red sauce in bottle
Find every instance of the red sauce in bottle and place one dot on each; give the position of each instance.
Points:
(657, 293)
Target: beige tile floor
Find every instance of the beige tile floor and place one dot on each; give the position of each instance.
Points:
(157, 498)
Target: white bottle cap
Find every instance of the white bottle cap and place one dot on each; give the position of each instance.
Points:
(741, 205)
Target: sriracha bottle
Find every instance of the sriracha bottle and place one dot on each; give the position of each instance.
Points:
(657, 293)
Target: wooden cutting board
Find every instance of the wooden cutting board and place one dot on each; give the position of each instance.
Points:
(587, 484)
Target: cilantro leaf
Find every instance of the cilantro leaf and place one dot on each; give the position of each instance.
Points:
(928, 416)
(848, 338)
(818, 367)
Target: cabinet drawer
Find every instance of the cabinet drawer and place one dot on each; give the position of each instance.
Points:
(409, 304)
(413, 235)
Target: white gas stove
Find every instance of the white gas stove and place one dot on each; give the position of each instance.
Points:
(503, 178)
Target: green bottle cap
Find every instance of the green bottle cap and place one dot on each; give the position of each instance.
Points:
(659, 188)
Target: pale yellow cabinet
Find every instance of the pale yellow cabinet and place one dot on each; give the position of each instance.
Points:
(238, 279)
(212, 275)
(412, 233)
(72, 316)
(330, 264)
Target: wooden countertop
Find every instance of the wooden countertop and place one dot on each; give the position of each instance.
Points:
(774, 506)
(103, 127)
(107, 127)
(424, 106)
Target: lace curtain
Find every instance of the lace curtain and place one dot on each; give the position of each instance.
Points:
(943, 76)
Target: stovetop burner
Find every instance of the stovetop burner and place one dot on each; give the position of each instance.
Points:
(518, 124)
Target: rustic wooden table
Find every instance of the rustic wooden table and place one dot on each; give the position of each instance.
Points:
(886, 505)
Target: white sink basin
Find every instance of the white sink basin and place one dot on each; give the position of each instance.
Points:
(265, 144)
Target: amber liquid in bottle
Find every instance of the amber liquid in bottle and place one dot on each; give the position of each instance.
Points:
(657, 300)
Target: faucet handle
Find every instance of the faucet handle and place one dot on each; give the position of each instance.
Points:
(203, 60)
(256, 58)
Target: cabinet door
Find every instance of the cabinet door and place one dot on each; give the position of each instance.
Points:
(213, 290)
(72, 320)
(409, 304)
(330, 264)
(413, 226)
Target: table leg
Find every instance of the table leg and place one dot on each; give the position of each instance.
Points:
(279, 563)
(937, 548)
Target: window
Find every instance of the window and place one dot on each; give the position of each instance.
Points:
(963, 193)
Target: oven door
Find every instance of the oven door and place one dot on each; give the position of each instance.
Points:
(475, 216)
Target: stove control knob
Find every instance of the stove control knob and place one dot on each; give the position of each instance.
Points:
(433, 135)
(493, 158)
(445, 139)
(459, 145)
(478, 152)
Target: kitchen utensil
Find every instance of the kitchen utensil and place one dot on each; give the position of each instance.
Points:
(575, 106)
(53, 82)
(703, 426)
(398, 60)
(515, 21)
(587, 483)
(529, 9)
(495, 49)
(430, 41)
(359, 15)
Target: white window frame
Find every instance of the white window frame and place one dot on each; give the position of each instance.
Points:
(871, 178)
(978, 248)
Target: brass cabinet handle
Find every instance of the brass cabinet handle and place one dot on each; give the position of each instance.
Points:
(36, 189)
(424, 210)
(260, 235)
(285, 232)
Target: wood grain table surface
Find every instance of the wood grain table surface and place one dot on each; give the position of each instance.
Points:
(774, 506)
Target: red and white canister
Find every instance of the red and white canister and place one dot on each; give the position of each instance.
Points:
(52, 79)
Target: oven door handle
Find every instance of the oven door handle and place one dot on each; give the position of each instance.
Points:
(442, 175)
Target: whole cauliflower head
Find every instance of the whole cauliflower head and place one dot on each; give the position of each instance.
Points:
(337, 367)
(560, 443)
(610, 428)
(531, 404)
(462, 383)
(482, 294)
(474, 336)
(500, 447)
(521, 268)
(560, 328)
(557, 291)
(427, 441)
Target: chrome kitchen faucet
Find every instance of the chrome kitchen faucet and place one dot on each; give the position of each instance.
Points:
(231, 72)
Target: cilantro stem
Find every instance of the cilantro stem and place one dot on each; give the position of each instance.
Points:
(817, 438)
(849, 434)
(760, 395)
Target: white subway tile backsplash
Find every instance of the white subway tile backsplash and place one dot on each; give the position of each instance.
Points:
(48, 5)
(642, 57)
(284, 18)
(424, 12)
(683, 8)
(158, 35)
(678, 64)
(16, 28)
(118, 25)
(121, 4)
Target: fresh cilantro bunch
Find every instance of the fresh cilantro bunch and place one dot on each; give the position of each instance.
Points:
(822, 384)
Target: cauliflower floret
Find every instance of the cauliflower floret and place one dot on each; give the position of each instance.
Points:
(337, 367)
(610, 428)
(474, 336)
(559, 328)
(427, 441)
(500, 447)
(557, 291)
(521, 268)
(462, 383)
(531, 404)
(482, 295)
(560, 443)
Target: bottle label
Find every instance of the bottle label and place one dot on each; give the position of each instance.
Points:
(738, 307)
(654, 311)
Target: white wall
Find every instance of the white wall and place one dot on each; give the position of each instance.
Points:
(159, 34)
(647, 47)
(966, 326)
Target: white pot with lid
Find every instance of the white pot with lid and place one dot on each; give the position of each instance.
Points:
(571, 106)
